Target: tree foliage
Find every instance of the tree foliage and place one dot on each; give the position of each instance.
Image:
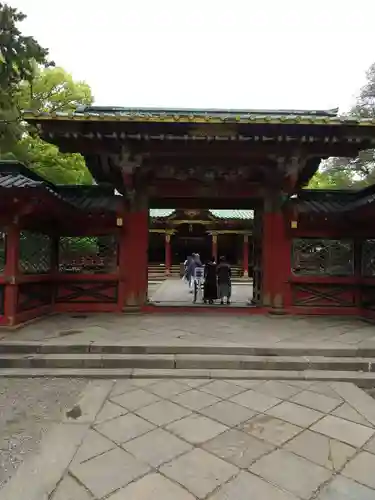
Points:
(339, 173)
(53, 89)
(28, 81)
(18, 56)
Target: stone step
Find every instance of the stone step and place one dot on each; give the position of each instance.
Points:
(365, 380)
(65, 347)
(187, 361)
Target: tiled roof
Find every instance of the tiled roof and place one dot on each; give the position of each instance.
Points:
(222, 214)
(233, 214)
(261, 116)
(89, 198)
(334, 201)
(17, 181)
(161, 212)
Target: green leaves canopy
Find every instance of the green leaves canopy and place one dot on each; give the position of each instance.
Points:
(339, 173)
(28, 81)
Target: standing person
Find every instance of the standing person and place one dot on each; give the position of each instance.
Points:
(224, 280)
(210, 282)
(189, 271)
(197, 260)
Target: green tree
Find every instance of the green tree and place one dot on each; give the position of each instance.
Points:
(18, 56)
(28, 81)
(360, 171)
(53, 89)
(58, 168)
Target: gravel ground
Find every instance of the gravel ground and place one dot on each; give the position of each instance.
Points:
(28, 407)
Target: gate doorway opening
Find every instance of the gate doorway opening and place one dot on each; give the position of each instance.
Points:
(175, 235)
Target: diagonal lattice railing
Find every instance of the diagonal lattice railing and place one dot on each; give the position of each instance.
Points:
(35, 253)
(88, 254)
(327, 257)
(368, 258)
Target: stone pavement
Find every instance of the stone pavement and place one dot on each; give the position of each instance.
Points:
(199, 439)
(176, 292)
(197, 330)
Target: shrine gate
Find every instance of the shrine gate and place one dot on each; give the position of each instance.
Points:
(84, 248)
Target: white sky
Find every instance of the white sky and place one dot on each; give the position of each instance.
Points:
(210, 53)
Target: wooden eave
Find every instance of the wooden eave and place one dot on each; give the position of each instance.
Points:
(224, 134)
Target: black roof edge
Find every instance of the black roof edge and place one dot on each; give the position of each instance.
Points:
(17, 167)
(119, 109)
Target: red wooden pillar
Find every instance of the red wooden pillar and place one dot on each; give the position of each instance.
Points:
(214, 246)
(276, 258)
(134, 258)
(11, 272)
(245, 256)
(168, 256)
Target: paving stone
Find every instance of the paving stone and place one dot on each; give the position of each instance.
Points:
(295, 414)
(362, 469)
(109, 411)
(156, 447)
(343, 430)
(69, 489)
(270, 429)
(362, 402)
(326, 389)
(163, 412)
(195, 400)
(90, 402)
(199, 471)
(247, 384)
(135, 399)
(302, 384)
(124, 428)
(196, 429)
(321, 450)
(246, 486)
(370, 446)
(278, 389)
(342, 488)
(122, 386)
(222, 389)
(349, 413)
(255, 400)
(108, 472)
(194, 382)
(316, 401)
(238, 448)
(38, 476)
(93, 444)
(167, 388)
(152, 487)
(228, 413)
(292, 473)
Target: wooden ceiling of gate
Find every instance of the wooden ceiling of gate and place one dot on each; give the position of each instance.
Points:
(204, 154)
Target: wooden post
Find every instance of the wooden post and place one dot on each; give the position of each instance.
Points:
(11, 272)
(245, 256)
(276, 257)
(168, 257)
(135, 255)
(214, 246)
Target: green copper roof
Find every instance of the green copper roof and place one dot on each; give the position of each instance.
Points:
(256, 116)
(221, 214)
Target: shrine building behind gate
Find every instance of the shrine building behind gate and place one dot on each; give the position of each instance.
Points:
(86, 248)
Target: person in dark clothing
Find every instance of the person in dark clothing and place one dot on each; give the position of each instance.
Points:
(210, 282)
(224, 280)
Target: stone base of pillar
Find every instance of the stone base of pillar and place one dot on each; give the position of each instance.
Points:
(246, 274)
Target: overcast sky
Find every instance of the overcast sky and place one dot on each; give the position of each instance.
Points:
(210, 53)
